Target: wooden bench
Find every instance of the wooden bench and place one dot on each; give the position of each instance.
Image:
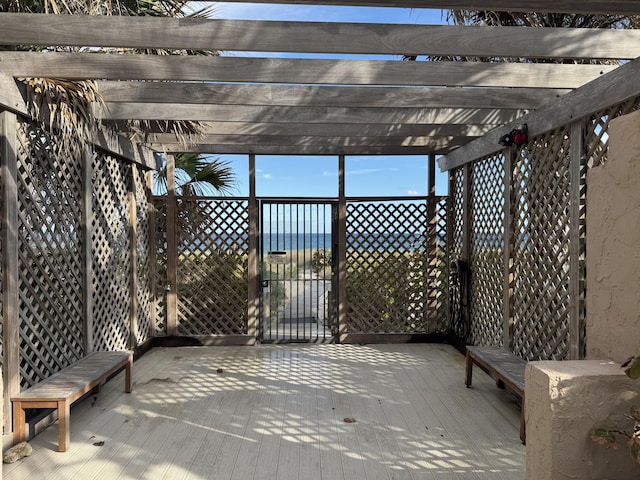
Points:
(65, 387)
(505, 367)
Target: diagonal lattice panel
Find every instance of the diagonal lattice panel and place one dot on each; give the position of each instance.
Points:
(160, 301)
(540, 283)
(50, 261)
(212, 266)
(143, 246)
(596, 134)
(387, 267)
(111, 253)
(438, 264)
(486, 250)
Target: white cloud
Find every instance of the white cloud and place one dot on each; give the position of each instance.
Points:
(363, 171)
(267, 176)
(413, 192)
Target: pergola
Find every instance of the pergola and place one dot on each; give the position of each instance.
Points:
(90, 275)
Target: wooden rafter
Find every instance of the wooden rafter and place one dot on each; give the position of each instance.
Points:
(76, 66)
(618, 7)
(325, 96)
(316, 37)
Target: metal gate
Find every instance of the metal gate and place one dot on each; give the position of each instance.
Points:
(297, 278)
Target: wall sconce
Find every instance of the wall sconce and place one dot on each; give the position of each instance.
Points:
(517, 136)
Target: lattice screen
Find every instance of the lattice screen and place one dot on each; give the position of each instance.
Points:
(143, 246)
(541, 300)
(486, 251)
(50, 260)
(387, 267)
(111, 253)
(596, 136)
(160, 301)
(438, 266)
(213, 250)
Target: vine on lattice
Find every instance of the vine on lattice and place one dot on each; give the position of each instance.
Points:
(50, 270)
(111, 253)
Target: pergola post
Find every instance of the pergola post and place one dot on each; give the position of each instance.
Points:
(252, 260)
(172, 250)
(10, 298)
(153, 257)
(342, 251)
(576, 312)
(132, 218)
(87, 221)
(430, 268)
(508, 235)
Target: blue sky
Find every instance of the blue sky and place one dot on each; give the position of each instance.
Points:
(297, 176)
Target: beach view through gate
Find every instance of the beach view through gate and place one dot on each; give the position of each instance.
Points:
(297, 276)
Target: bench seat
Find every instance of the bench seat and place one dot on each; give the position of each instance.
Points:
(505, 367)
(65, 387)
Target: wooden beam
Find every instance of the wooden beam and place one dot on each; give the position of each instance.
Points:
(306, 149)
(326, 130)
(615, 7)
(597, 95)
(257, 140)
(198, 93)
(118, 145)
(219, 113)
(10, 245)
(83, 66)
(316, 37)
(11, 96)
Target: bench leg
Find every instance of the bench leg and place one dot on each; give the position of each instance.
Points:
(63, 425)
(19, 432)
(523, 431)
(468, 370)
(127, 377)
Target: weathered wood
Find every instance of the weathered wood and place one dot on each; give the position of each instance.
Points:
(10, 244)
(122, 147)
(576, 223)
(608, 90)
(132, 230)
(342, 252)
(60, 390)
(508, 248)
(217, 113)
(198, 93)
(87, 248)
(172, 248)
(11, 96)
(626, 7)
(305, 149)
(256, 141)
(505, 367)
(326, 130)
(316, 37)
(253, 291)
(83, 66)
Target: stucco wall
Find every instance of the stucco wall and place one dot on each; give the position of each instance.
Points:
(564, 402)
(613, 246)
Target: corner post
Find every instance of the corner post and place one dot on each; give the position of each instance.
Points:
(507, 326)
(10, 294)
(252, 261)
(172, 249)
(87, 221)
(342, 251)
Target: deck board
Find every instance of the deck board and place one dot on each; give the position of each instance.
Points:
(278, 412)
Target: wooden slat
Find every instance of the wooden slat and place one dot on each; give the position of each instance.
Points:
(306, 149)
(123, 147)
(219, 113)
(296, 71)
(618, 7)
(326, 130)
(325, 96)
(10, 95)
(316, 37)
(599, 94)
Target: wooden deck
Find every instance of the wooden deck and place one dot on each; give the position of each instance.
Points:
(277, 412)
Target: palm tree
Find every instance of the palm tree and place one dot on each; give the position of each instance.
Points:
(65, 105)
(196, 175)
